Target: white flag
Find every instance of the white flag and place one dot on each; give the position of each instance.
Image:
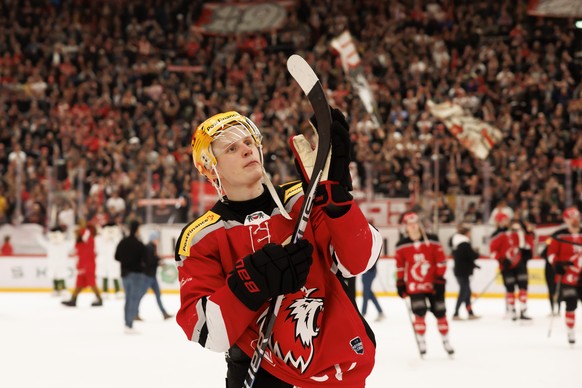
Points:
(346, 48)
(476, 135)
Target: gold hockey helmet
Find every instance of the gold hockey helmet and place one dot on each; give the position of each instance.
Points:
(229, 127)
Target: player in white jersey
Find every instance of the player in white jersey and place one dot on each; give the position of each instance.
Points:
(107, 268)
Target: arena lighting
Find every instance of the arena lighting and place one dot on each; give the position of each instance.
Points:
(578, 24)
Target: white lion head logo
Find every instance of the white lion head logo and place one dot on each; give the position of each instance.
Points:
(303, 314)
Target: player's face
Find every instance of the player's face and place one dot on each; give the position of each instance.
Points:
(413, 229)
(238, 164)
(573, 222)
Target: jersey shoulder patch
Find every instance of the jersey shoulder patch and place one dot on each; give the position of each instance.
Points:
(290, 190)
(192, 229)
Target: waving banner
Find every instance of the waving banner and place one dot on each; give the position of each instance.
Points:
(474, 134)
(555, 8)
(346, 48)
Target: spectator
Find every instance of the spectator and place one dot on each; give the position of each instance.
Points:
(444, 211)
(472, 214)
(115, 204)
(4, 206)
(6, 249)
(65, 99)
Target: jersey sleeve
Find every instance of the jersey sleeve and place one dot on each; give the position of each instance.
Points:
(355, 244)
(495, 247)
(553, 251)
(210, 313)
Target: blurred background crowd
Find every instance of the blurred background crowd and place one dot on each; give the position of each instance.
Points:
(99, 100)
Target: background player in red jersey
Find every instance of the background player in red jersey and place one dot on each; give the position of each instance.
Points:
(420, 271)
(85, 246)
(507, 246)
(235, 258)
(565, 254)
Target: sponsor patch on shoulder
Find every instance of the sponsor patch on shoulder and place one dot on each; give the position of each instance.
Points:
(357, 345)
(291, 191)
(190, 231)
(256, 218)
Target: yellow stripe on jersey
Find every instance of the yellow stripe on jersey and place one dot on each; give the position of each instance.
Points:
(292, 191)
(191, 230)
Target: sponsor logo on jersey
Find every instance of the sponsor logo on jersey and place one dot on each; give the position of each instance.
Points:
(186, 240)
(256, 218)
(357, 345)
(291, 191)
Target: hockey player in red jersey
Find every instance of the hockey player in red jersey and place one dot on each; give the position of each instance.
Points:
(420, 274)
(507, 246)
(238, 256)
(565, 254)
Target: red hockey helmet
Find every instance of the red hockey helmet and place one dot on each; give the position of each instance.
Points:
(410, 218)
(501, 217)
(571, 213)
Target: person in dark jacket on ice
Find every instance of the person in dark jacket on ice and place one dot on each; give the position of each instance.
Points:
(464, 256)
(131, 254)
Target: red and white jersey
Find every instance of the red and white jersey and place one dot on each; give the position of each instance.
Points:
(319, 338)
(419, 263)
(506, 244)
(567, 247)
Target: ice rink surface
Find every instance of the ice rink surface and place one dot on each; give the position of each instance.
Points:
(44, 344)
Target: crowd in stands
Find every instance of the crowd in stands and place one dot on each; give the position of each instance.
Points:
(104, 91)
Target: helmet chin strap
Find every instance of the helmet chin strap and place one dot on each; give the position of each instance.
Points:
(274, 195)
(270, 187)
(217, 184)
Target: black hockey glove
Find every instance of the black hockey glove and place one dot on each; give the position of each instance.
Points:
(561, 267)
(506, 264)
(439, 286)
(271, 271)
(336, 181)
(401, 287)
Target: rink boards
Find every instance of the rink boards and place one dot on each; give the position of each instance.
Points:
(31, 273)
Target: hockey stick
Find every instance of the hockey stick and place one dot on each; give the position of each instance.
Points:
(308, 81)
(555, 300)
(558, 239)
(486, 287)
(410, 314)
